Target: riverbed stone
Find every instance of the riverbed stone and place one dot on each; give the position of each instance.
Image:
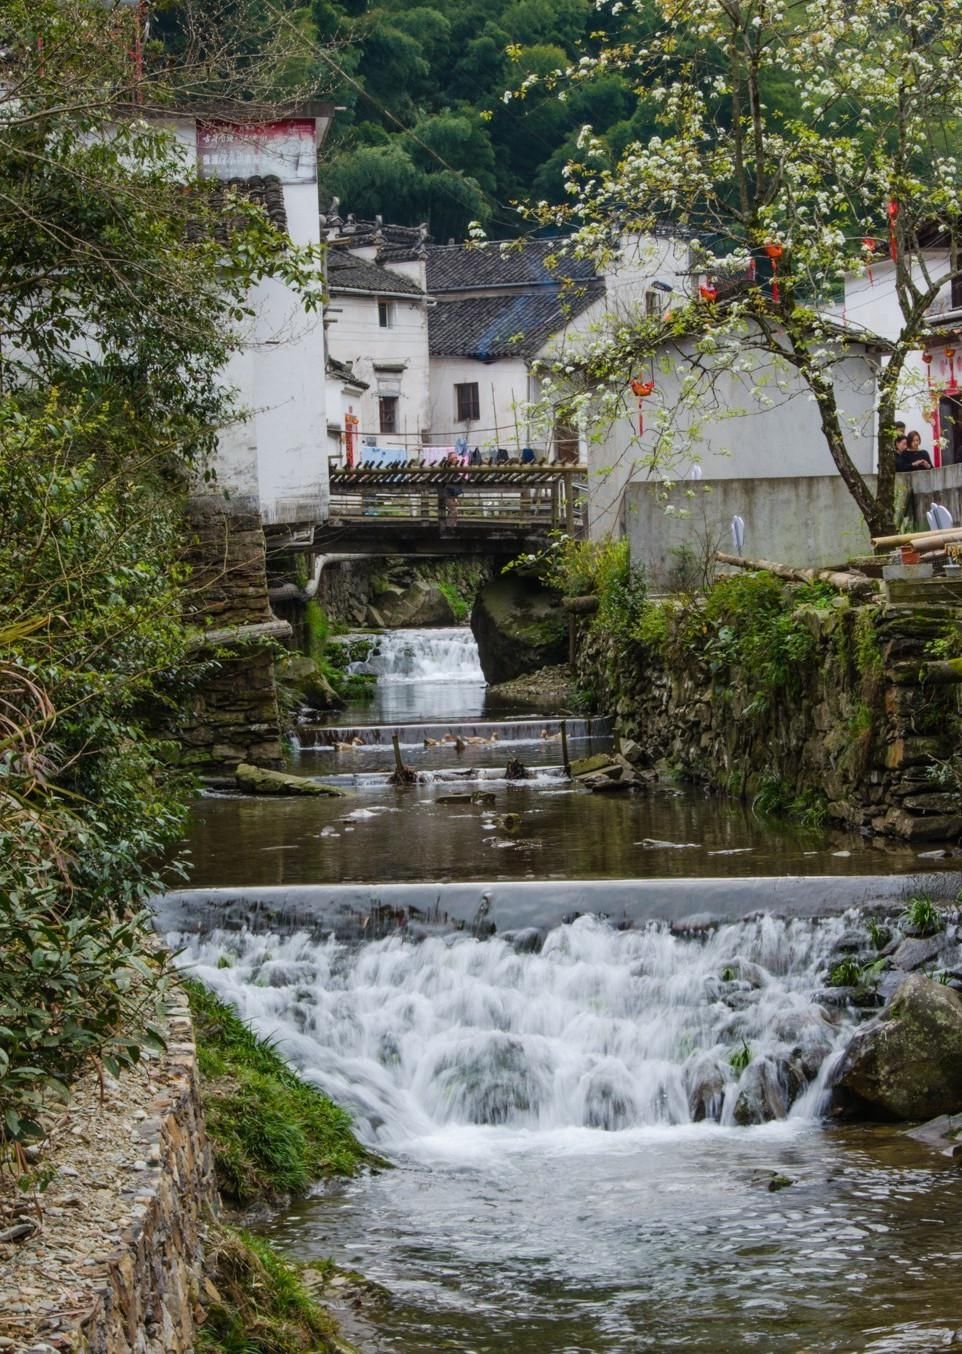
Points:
(908, 1063)
(586, 766)
(915, 952)
(761, 1097)
(259, 781)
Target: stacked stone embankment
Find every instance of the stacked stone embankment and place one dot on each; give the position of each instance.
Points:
(106, 1259)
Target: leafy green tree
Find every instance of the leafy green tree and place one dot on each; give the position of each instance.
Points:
(788, 137)
(122, 282)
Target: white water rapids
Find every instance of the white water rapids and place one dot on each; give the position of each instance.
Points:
(603, 1029)
(447, 654)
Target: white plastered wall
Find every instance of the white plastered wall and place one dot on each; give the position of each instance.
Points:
(392, 360)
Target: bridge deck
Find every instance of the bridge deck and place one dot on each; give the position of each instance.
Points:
(415, 508)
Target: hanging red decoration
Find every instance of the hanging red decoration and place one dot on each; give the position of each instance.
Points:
(774, 252)
(869, 244)
(708, 292)
(642, 389)
(893, 212)
(950, 357)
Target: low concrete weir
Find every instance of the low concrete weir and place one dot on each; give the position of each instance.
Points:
(342, 909)
(413, 735)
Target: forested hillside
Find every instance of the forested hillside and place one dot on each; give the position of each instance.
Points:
(426, 132)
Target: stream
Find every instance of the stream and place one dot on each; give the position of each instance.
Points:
(552, 1012)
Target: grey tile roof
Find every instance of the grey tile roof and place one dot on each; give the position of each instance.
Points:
(347, 272)
(393, 242)
(518, 325)
(343, 371)
(265, 190)
(537, 263)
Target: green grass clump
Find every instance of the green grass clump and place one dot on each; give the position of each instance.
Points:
(255, 1302)
(459, 605)
(271, 1133)
(923, 916)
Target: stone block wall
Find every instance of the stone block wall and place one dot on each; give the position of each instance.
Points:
(141, 1294)
(867, 721)
(234, 715)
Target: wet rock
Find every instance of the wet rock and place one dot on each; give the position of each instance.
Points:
(698, 924)
(305, 677)
(907, 1064)
(519, 626)
(584, 766)
(913, 953)
(777, 1182)
(944, 1134)
(760, 1095)
(258, 781)
(527, 940)
(605, 784)
(420, 603)
(705, 1082)
(515, 770)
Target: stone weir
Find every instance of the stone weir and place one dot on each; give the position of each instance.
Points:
(867, 735)
(414, 735)
(361, 911)
(110, 1261)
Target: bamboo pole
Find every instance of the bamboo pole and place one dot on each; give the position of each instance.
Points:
(845, 582)
(910, 537)
(564, 749)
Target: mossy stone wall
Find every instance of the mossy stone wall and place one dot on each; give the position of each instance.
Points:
(855, 737)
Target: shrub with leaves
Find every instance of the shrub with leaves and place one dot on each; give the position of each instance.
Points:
(124, 286)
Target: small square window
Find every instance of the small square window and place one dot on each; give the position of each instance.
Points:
(387, 409)
(385, 314)
(467, 401)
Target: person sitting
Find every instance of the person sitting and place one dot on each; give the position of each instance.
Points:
(909, 454)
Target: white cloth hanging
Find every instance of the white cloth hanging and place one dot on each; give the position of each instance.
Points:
(738, 533)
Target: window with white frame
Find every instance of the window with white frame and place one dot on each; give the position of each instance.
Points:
(386, 314)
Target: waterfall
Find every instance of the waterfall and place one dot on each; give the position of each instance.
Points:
(587, 1027)
(442, 655)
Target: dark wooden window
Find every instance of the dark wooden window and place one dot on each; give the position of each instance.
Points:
(387, 407)
(957, 293)
(468, 403)
(385, 315)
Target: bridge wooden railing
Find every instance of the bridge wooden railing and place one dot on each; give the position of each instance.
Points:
(536, 497)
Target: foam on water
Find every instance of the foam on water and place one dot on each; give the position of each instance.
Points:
(448, 654)
(457, 1047)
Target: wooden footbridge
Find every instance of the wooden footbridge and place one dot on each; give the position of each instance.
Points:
(443, 510)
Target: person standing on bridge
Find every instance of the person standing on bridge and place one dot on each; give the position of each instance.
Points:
(449, 493)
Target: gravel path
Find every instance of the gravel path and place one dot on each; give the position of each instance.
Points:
(100, 1175)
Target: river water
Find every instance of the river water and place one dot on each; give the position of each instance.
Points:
(562, 1104)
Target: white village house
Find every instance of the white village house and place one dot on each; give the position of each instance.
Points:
(273, 461)
(377, 333)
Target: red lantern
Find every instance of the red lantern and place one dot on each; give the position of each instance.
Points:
(642, 389)
(708, 292)
(774, 252)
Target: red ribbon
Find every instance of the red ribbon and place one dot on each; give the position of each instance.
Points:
(893, 211)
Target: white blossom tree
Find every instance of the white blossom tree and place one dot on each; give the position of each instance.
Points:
(798, 140)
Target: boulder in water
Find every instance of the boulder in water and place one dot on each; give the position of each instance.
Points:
(761, 1096)
(705, 1081)
(420, 603)
(908, 1063)
(519, 626)
(256, 780)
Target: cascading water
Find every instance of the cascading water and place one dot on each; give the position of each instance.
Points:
(595, 1029)
(442, 655)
